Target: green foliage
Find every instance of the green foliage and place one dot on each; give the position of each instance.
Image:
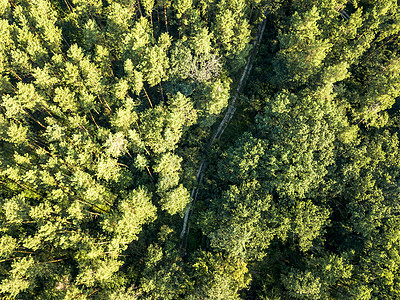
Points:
(106, 112)
(230, 29)
(218, 278)
(302, 51)
(20, 278)
(307, 223)
(245, 225)
(134, 211)
(164, 273)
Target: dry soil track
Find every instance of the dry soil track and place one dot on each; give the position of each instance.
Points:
(223, 124)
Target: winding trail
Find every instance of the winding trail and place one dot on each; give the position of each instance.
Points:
(221, 128)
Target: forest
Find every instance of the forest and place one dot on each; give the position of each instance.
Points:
(199, 149)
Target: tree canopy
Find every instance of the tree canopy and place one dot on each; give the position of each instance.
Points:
(115, 180)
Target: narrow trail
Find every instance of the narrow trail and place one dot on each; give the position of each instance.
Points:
(221, 128)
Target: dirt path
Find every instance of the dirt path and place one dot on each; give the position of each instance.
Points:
(221, 128)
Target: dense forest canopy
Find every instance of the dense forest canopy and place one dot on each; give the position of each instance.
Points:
(117, 182)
